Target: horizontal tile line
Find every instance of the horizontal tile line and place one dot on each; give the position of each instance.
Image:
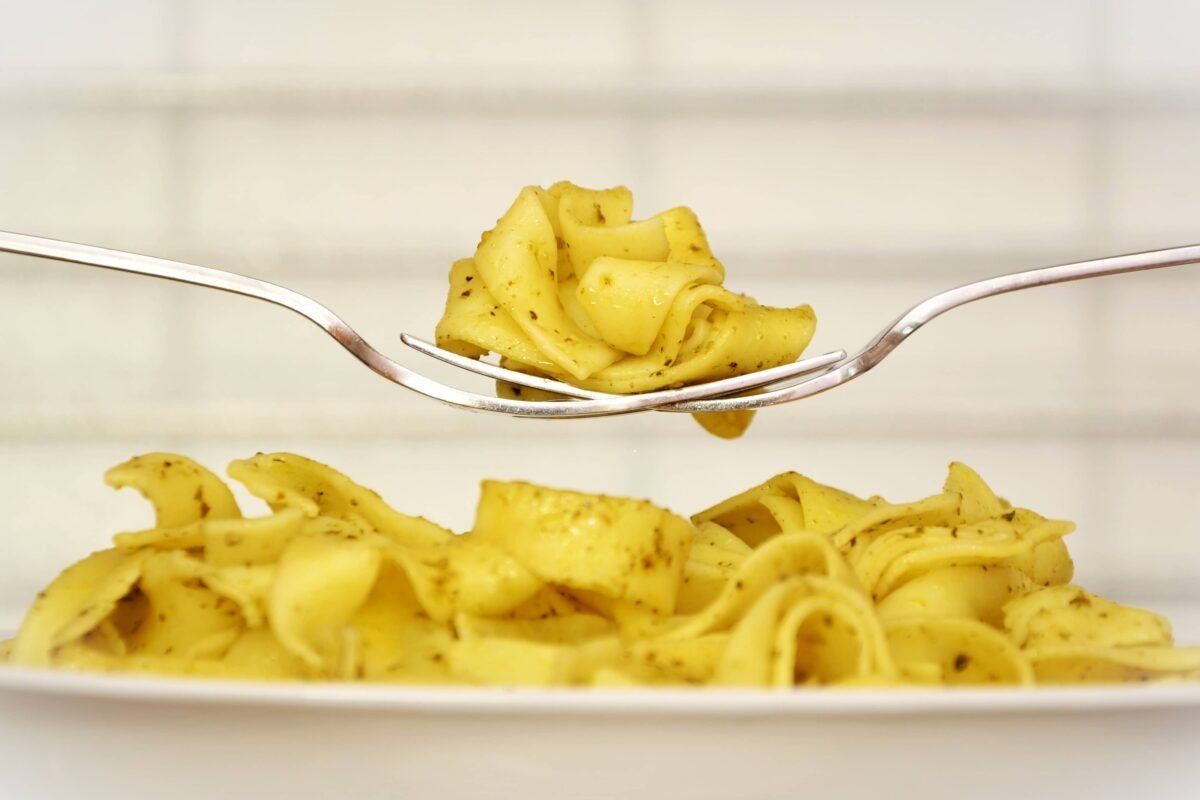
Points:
(1146, 591)
(646, 98)
(19, 424)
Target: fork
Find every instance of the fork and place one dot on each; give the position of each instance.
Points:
(888, 339)
(594, 404)
(754, 390)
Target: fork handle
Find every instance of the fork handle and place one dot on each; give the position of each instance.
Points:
(939, 304)
(323, 317)
(92, 256)
(916, 317)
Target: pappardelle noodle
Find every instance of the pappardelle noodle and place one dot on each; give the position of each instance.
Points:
(790, 583)
(568, 285)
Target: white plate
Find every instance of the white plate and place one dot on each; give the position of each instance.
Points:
(67, 735)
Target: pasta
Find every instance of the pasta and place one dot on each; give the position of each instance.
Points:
(790, 583)
(568, 285)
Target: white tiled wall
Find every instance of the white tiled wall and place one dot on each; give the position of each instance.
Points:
(858, 156)
(87, 174)
(74, 38)
(905, 181)
(1152, 42)
(928, 43)
(368, 35)
(390, 180)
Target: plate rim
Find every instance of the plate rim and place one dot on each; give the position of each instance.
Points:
(596, 702)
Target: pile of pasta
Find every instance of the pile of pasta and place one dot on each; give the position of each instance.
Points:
(569, 286)
(791, 583)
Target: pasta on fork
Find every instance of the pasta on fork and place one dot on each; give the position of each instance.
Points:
(569, 286)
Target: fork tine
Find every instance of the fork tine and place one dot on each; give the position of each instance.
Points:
(497, 372)
(712, 389)
(781, 392)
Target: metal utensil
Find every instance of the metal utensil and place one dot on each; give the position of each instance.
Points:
(596, 403)
(885, 341)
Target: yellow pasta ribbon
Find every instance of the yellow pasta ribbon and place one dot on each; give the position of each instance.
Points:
(568, 285)
(788, 584)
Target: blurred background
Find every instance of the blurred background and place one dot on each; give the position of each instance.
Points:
(856, 156)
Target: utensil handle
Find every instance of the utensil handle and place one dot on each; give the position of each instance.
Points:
(92, 256)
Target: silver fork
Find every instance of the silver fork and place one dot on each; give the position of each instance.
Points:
(768, 387)
(887, 340)
(595, 404)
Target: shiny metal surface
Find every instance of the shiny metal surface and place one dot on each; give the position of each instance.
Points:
(592, 404)
(769, 387)
(919, 315)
